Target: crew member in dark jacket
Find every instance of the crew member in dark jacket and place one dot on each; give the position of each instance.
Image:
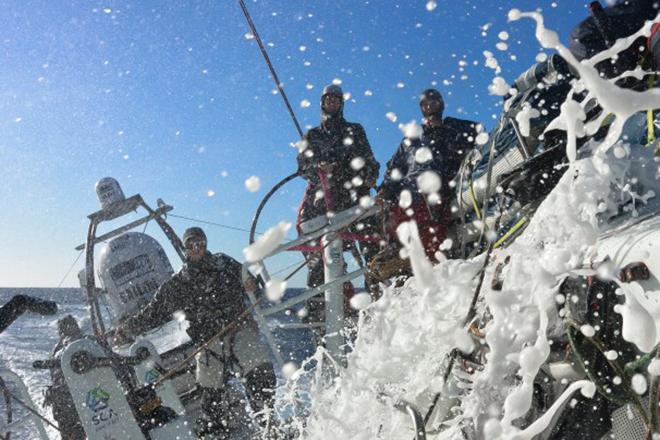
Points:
(57, 394)
(209, 291)
(438, 150)
(606, 25)
(339, 167)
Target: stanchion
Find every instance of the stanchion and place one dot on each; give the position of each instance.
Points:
(333, 263)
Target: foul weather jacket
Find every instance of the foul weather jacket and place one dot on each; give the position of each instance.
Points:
(210, 293)
(448, 145)
(344, 145)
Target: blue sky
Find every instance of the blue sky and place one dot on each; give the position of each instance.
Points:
(174, 101)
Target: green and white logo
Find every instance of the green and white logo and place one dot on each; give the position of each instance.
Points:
(97, 399)
(151, 376)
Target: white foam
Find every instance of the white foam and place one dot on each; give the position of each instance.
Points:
(267, 243)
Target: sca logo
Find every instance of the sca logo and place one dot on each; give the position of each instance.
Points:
(97, 399)
(151, 376)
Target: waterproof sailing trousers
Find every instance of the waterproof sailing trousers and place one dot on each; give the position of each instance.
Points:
(243, 356)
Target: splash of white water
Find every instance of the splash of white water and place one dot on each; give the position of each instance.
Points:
(404, 338)
(622, 103)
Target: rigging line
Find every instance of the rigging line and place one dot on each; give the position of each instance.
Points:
(303, 264)
(226, 330)
(70, 268)
(270, 66)
(34, 412)
(234, 228)
(288, 267)
(220, 225)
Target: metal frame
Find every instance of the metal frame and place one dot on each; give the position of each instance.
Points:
(410, 410)
(333, 263)
(416, 417)
(334, 268)
(112, 212)
(522, 145)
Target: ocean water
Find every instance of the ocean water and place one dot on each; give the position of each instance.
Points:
(32, 337)
(29, 338)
